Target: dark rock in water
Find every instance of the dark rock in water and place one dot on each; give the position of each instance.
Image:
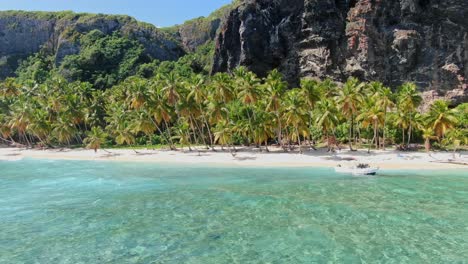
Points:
(424, 41)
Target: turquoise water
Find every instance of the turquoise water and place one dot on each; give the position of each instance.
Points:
(98, 212)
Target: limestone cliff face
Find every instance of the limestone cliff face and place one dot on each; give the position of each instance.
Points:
(24, 33)
(197, 32)
(424, 41)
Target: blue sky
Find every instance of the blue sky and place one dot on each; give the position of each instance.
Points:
(158, 12)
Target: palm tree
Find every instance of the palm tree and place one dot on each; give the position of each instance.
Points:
(295, 115)
(275, 88)
(161, 112)
(313, 93)
(408, 101)
(5, 129)
(40, 126)
(385, 100)
(223, 133)
(141, 121)
(402, 121)
(96, 137)
(263, 128)
(124, 136)
(64, 130)
(248, 90)
(19, 118)
(247, 85)
(198, 93)
(441, 118)
(182, 133)
(326, 117)
(221, 87)
(428, 135)
(171, 86)
(119, 125)
(137, 92)
(349, 100)
(9, 88)
(372, 115)
(327, 88)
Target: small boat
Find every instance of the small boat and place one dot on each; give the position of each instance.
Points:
(360, 169)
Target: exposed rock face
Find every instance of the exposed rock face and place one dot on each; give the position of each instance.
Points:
(424, 41)
(23, 33)
(197, 32)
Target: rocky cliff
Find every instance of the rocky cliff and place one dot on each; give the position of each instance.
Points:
(424, 41)
(25, 33)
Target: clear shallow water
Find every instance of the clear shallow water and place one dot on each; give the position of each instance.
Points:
(97, 212)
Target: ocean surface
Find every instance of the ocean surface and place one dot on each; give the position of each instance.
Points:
(105, 212)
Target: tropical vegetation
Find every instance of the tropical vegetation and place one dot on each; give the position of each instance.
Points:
(173, 105)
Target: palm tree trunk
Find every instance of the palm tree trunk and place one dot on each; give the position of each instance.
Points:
(299, 140)
(207, 126)
(266, 146)
(403, 135)
(168, 129)
(280, 132)
(160, 131)
(410, 129)
(370, 143)
(250, 126)
(427, 145)
(350, 135)
(384, 126)
(376, 135)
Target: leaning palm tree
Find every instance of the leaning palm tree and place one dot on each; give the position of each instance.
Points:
(198, 93)
(5, 129)
(95, 138)
(182, 133)
(441, 118)
(171, 87)
(141, 121)
(349, 100)
(39, 125)
(64, 130)
(223, 133)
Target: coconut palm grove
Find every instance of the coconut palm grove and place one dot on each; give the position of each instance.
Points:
(170, 105)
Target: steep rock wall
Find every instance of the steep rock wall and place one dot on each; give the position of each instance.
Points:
(424, 41)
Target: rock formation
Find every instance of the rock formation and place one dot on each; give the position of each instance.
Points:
(25, 33)
(423, 41)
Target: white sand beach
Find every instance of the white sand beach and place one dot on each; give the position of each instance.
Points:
(252, 157)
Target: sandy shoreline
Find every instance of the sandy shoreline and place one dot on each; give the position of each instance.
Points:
(249, 157)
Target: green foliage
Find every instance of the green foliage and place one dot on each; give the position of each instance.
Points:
(103, 60)
(200, 61)
(36, 68)
(171, 103)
